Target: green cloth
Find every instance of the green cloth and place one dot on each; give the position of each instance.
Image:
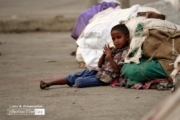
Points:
(143, 72)
(139, 30)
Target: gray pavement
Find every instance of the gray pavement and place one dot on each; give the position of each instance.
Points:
(28, 58)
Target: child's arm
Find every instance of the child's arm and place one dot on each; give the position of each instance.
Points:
(101, 60)
(113, 64)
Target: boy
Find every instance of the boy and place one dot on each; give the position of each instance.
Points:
(109, 64)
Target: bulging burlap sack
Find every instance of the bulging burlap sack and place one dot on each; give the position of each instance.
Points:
(163, 46)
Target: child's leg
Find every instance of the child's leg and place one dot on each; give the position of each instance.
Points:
(61, 81)
(70, 80)
(88, 81)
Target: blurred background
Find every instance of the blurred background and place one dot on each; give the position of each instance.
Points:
(46, 15)
(46, 8)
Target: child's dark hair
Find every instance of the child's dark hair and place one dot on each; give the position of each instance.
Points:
(122, 28)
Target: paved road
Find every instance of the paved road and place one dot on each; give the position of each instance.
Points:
(28, 58)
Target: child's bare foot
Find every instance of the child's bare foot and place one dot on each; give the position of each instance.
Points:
(43, 85)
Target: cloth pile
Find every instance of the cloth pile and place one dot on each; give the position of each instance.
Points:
(155, 39)
(97, 32)
(154, 45)
(86, 15)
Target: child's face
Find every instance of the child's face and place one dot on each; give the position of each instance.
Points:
(120, 40)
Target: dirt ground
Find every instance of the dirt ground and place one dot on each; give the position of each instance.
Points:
(28, 58)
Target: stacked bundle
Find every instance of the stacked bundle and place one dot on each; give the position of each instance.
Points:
(97, 32)
(156, 40)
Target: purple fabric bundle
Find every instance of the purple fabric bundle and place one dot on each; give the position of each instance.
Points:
(86, 15)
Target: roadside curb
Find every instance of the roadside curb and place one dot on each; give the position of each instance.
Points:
(58, 23)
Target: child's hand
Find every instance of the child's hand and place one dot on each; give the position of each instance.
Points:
(107, 51)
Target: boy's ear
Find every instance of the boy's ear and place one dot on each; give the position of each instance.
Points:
(128, 38)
